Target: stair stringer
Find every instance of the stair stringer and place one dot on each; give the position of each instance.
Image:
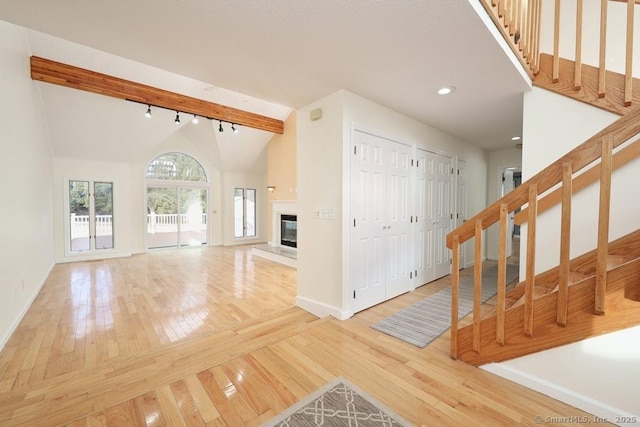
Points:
(621, 312)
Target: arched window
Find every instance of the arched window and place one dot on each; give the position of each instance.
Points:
(176, 202)
(176, 167)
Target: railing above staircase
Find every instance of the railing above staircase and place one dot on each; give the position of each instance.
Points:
(596, 151)
(521, 23)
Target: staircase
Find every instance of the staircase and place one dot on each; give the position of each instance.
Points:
(599, 291)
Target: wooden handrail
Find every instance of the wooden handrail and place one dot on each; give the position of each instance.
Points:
(582, 181)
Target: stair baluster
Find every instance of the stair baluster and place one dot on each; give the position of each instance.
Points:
(565, 243)
(603, 223)
(477, 286)
(502, 273)
(531, 259)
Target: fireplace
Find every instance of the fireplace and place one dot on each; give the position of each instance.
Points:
(289, 231)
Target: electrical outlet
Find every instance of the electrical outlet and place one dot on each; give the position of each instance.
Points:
(316, 213)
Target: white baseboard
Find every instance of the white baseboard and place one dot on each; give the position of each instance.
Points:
(5, 337)
(92, 257)
(472, 262)
(570, 397)
(321, 309)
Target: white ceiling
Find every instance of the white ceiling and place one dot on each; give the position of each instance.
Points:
(291, 52)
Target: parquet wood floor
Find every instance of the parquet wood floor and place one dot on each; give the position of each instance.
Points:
(211, 337)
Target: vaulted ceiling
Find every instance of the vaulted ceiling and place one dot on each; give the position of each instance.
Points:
(273, 56)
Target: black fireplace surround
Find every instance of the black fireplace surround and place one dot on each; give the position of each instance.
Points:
(289, 230)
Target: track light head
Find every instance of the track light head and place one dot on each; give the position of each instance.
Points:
(148, 113)
(220, 129)
(195, 120)
(177, 120)
(233, 128)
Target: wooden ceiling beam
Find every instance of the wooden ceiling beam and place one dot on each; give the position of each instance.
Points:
(61, 74)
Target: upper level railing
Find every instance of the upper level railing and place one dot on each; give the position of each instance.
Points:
(519, 22)
(522, 21)
(596, 151)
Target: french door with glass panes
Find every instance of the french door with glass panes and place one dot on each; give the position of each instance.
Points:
(176, 217)
(90, 208)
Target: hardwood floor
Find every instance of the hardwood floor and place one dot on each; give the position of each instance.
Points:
(211, 336)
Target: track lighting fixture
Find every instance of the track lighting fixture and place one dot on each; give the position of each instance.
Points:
(195, 120)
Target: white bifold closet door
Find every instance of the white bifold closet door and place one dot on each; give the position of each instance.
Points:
(433, 215)
(381, 237)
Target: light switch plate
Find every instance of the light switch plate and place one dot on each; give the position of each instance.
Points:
(328, 213)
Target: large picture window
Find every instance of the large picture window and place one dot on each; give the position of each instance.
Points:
(90, 215)
(244, 203)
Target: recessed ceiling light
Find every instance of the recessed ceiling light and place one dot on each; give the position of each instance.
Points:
(446, 90)
(515, 138)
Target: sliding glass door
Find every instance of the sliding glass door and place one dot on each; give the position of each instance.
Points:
(176, 217)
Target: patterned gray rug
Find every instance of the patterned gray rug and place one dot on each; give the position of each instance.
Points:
(429, 318)
(338, 404)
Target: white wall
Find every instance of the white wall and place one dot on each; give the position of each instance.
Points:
(599, 375)
(323, 182)
(320, 184)
(118, 173)
(26, 211)
(231, 181)
(498, 161)
(129, 197)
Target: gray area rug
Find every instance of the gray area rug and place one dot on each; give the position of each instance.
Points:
(429, 318)
(337, 404)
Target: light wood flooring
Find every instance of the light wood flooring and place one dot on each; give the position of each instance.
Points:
(211, 336)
